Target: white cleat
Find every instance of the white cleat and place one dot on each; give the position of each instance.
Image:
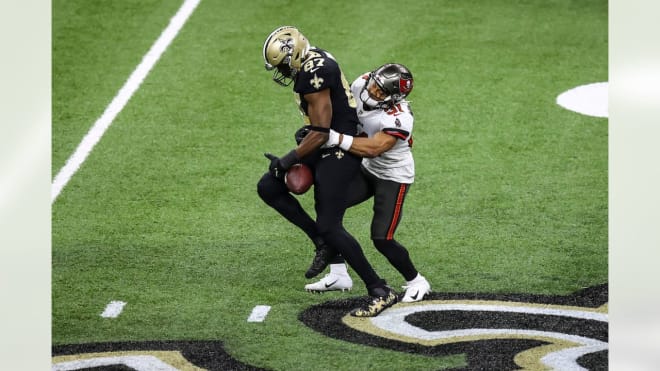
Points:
(416, 289)
(331, 282)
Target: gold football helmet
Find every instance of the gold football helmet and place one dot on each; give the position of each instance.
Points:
(284, 50)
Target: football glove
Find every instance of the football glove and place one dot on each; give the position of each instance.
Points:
(278, 166)
(275, 168)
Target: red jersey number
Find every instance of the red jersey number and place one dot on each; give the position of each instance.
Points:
(395, 110)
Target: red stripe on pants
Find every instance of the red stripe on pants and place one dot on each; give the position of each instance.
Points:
(397, 212)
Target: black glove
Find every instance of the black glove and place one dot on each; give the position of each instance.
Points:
(279, 166)
(301, 133)
(275, 168)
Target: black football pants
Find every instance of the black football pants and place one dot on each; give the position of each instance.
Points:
(388, 210)
(334, 170)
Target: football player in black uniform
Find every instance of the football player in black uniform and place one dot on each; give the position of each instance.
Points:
(325, 100)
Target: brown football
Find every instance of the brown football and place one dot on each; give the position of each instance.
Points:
(299, 179)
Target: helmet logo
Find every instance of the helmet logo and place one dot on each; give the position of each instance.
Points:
(405, 86)
(286, 45)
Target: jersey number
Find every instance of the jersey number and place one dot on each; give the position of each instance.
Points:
(395, 110)
(313, 64)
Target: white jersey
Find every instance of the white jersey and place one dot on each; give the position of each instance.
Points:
(397, 163)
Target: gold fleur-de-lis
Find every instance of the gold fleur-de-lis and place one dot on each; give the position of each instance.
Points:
(316, 82)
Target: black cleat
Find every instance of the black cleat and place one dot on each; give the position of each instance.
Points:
(380, 300)
(320, 262)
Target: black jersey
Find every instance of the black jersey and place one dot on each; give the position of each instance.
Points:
(321, 71)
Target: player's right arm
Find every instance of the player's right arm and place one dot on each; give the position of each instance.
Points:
(370, 147)
(396, 125)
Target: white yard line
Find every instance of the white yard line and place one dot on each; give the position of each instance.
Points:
(259, 313)
(123, 96)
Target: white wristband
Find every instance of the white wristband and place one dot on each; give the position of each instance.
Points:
(346, 142)
(333, 139)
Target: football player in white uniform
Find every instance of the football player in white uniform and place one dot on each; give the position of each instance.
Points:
(388, 168)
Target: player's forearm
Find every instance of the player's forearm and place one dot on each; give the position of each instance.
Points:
(311, 143)
(363, 147)
(367, 147)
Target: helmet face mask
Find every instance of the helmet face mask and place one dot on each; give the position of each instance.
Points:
(394, 81)
(284, 51)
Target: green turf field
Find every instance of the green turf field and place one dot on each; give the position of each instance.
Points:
(510, 194)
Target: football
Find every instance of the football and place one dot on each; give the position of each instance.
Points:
(299, 179)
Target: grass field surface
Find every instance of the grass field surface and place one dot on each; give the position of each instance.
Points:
(510, 194)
